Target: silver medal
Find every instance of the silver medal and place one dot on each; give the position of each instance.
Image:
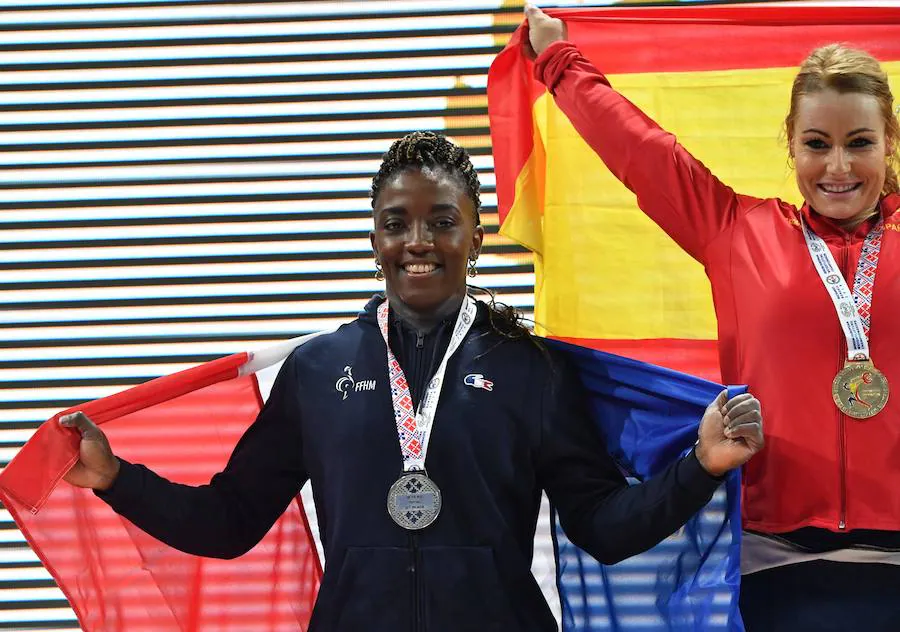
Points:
(414, 501)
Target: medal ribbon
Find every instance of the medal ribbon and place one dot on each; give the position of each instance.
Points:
(414, 427)
(854, 309)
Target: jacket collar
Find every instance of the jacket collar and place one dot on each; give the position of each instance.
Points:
(827, 228)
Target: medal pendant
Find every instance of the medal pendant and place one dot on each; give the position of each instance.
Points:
(414, 501)
(860, 390)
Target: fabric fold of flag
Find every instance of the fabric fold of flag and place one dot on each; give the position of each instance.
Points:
(648, 416)
(184, 426)
(606, 276)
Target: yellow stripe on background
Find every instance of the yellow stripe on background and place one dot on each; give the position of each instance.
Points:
(606, 271)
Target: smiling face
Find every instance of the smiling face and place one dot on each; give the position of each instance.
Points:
(840, 151)
(424, 235)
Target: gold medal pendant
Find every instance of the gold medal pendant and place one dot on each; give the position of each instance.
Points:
(860, 390)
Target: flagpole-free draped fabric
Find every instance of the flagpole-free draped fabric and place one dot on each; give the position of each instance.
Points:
(648, 417)
(719, 78)
(117, 578)
(185, 425)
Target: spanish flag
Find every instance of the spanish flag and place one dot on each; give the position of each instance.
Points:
(719, 78)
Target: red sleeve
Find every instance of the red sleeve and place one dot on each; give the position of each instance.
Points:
(672, 187)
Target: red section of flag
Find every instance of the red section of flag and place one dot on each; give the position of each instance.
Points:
(511, 92)
(726, 37)
(116, 577)
(697, 357)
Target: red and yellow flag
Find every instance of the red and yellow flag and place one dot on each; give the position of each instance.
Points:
(719, 78)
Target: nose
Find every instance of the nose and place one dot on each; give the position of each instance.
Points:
(838, 161)
(420, 238)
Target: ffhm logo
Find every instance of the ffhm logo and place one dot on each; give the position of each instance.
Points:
(346, 384)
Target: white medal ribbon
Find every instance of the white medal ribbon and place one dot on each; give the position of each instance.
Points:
(414, 444)
(855, 329)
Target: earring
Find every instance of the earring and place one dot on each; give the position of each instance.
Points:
(472, 271)
(379, 273)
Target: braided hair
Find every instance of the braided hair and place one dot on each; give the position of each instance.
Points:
(427, 150)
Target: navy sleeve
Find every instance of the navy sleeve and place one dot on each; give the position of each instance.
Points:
(227, 517)
(598, 510)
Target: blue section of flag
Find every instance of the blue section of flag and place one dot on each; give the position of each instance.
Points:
(648, 417)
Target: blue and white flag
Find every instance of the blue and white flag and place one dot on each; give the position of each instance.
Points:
(649, 417)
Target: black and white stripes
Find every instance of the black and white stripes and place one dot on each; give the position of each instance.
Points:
(181, 180)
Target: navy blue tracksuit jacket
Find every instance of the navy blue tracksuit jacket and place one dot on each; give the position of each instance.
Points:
(492, 452)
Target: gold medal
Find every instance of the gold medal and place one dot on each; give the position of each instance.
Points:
(860, 390)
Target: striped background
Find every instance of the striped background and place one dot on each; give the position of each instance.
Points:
(183, 180)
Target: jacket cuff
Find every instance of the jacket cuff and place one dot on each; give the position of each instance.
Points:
(554, 61)
(692, 477)
(126, 487)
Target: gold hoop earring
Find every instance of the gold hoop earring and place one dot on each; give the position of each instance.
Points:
(379, 272)
(472, 271)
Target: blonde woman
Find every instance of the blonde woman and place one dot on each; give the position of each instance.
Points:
(803, 319)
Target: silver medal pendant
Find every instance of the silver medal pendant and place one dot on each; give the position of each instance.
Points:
(414, 501)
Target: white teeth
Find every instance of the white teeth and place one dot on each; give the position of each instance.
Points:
(419, 268)
(838, 188)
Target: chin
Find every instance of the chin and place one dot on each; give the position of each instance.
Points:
(839, 214)
(844, 214)
(420, 302)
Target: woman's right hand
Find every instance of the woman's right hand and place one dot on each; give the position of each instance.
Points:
(97, 466)
(542, 29)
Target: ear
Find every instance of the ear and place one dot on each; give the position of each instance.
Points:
(374, 247)
(790, 156)
(477, 241)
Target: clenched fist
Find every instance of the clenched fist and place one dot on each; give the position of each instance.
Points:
(730, 433)
(97, 466)
(542, 29)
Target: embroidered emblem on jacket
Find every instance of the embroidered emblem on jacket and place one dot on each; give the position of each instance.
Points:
(346, 384)
(476, 380)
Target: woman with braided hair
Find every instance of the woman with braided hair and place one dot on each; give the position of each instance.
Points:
(420, 532)
(427, 151)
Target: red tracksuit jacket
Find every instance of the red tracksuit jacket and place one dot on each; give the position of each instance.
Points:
(777, 327)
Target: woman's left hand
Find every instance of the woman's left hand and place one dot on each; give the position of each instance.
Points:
(730, 433)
